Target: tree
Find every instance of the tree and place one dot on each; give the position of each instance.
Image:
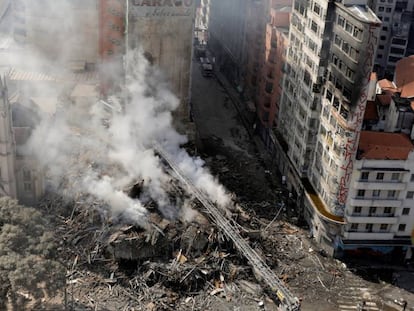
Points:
(28, 271)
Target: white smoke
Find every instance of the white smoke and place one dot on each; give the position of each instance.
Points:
(81, 154)
(84, 148)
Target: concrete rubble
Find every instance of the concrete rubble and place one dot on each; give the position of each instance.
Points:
(178, 265)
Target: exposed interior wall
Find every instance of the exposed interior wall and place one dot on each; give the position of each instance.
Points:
(165, 33)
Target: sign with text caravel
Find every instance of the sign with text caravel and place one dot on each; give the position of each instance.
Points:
(161, 8)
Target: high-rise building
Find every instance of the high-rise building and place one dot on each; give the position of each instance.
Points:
(271, 71)
(394, 37)
(325, 90)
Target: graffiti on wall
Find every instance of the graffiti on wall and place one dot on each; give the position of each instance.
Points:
(352, 141)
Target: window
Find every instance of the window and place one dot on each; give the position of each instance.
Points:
(399, 41)
(338, 40)
(27, 186)
(406, 211)
(368, 227)
(26, 175)
(364, 175)
(381, 9)
(361, 193)
(354, 227)
(397, 51)
(348, 27)
(381, 47)
(341, 21)
(387, 210)
(383, 38)
(391, 193)
(349, 73)
(345, 47)
(401, 227)
(376, 193)
(395, 176)
(383, 227)
(314, 27)
(357, 209)
(410, 194)
(388, 10)
(393, 59)
(380, 176)
(317, 9)
(347, 93)
(329, 97)
(412, 177)
(372, 210)
(358, 33)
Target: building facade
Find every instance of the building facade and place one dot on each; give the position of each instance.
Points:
(394, 37)
(325, 90)
(379, 216)
(271, 78)
(164, 31)
(20, 177)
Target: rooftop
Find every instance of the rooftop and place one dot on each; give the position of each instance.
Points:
(22, 75)
(384, 146)
(361, 12)
(387, 85)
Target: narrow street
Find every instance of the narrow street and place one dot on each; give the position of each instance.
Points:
(231, 153)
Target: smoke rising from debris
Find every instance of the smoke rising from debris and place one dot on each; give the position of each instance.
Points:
(87, 149)
(93, 153)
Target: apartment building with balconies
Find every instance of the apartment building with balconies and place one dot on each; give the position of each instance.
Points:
(378, 217)
(325, 91)
(379, 213)
(397, 18)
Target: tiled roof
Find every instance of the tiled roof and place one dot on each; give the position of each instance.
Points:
(404, 76)
(371, 112)
(387, 85)
(384, 146)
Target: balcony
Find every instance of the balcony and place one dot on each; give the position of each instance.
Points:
(371, 218)
(379, 185)
(376, 202)
(380, 235)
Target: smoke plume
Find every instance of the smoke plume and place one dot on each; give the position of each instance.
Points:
(87, 149)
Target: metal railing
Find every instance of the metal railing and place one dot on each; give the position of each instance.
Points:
(287, 301)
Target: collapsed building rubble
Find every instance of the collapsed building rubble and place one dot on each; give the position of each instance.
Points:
(187, 265)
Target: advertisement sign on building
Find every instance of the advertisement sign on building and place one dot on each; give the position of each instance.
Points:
(161, 8)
